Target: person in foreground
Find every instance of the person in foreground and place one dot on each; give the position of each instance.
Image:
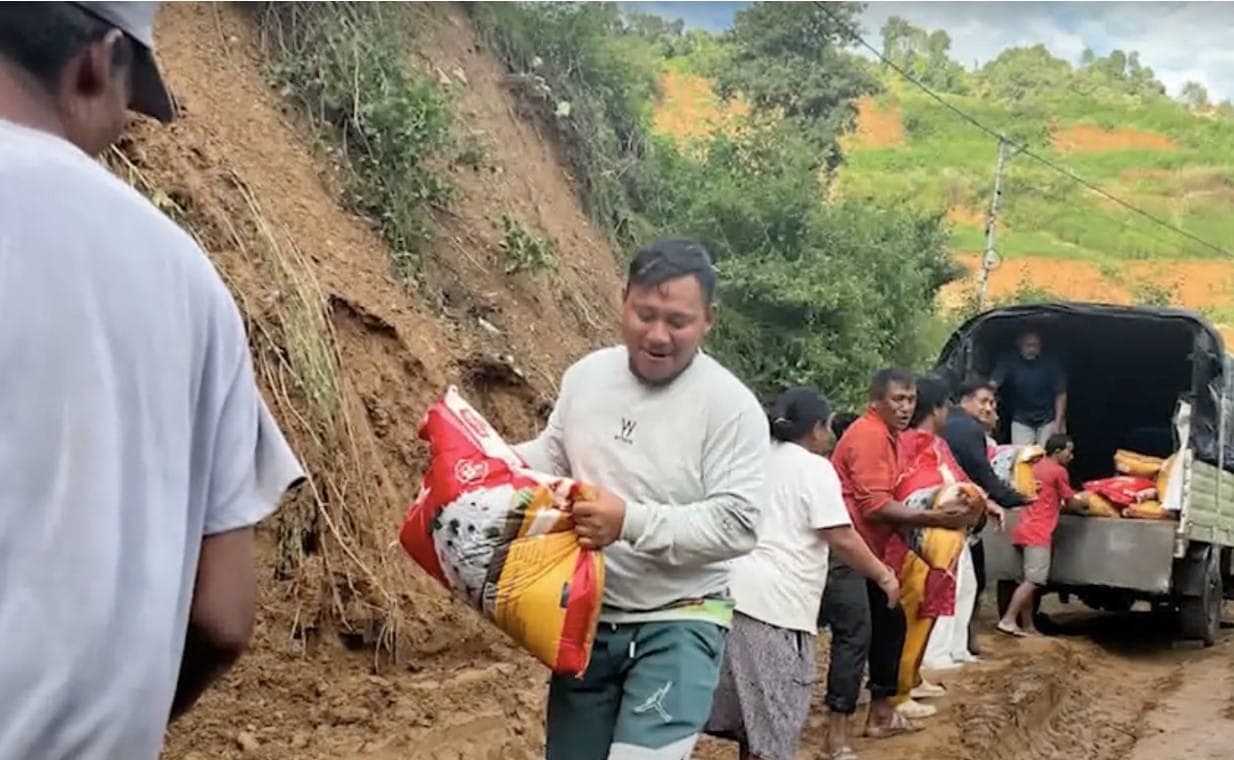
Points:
(867, 461)
(136, 452)
(677, 449)
(1034, 533)
(763, 696)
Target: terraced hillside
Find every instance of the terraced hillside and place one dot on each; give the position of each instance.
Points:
(1054, 235)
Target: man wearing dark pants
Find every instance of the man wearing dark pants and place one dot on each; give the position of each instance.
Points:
(868, 464)
(846, 610)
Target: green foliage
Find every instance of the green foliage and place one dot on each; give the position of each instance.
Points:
(582, 54)
(924, 55)
(346, 62)
(811, 293)
(523, 251)
(789, 63)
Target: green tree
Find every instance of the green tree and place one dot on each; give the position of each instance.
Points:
(1021, 72)
(789, 62)
(1194, 96)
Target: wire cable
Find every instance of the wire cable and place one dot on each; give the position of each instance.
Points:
(855, 34)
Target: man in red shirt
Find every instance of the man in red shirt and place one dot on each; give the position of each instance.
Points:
(867, 462)
(1034, 532)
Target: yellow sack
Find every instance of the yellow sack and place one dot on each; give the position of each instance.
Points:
(1095, 505)
(1147, 510)
(1163, 478)
(1140, 465)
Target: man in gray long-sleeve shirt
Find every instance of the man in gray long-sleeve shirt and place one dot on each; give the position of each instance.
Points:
(677, 447)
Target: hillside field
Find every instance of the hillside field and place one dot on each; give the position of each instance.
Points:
(1054, 236)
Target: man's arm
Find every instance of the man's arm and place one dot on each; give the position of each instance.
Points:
(853, 551)
(547, 452)
(967, 443)
(1060, 399)
(221, 616)
(723, 525)
(245, 468)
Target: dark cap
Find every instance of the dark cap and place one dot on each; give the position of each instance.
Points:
(136, 20)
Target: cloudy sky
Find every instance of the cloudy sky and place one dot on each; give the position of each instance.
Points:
(1181, 41)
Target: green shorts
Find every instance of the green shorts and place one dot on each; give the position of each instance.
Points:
(646, 693)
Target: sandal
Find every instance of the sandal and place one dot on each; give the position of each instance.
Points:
(895, 727)
(843, 753)
(1013, 631)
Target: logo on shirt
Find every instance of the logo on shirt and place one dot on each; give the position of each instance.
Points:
(626, 433)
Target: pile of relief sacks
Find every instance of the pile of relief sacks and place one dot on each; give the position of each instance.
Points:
(499, 536)
(1137, 492)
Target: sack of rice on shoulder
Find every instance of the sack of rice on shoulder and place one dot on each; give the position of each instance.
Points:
(499, 536)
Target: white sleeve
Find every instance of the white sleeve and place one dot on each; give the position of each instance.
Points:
(547, 452)
(824, 501)
(247, 464)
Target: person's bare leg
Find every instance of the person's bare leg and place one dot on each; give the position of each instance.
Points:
(1021, 599)
(839, 733)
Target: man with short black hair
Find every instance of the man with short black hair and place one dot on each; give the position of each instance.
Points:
(1033, 387)
(677, 448)
(867, 461)
(136, 452)
(1034, 533)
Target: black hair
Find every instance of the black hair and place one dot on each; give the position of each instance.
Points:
(841, 422)
(42, 37)
(663, 260)
(796, 412)
(1057, 443)
(885, 378)
(932, 394)
(971, 385)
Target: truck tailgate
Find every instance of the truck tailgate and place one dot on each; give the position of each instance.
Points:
(1094, 551)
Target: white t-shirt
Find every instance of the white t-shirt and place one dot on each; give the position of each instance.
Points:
(688, 458)
(130, 426)
(781, 581)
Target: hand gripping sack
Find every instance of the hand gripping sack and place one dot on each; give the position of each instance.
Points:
(499, 536)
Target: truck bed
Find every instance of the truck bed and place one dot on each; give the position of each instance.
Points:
(1094, 551)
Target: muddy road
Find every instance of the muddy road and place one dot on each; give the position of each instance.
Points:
(1104, 687)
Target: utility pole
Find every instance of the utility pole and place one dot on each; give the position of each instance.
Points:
(990, 259)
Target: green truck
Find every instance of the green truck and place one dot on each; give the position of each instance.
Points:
(1152, 380)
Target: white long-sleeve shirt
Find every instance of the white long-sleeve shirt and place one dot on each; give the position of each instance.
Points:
(689, 459)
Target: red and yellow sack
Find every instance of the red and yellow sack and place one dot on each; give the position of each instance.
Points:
(499, 536)
(1095, 505)
(1123, 490)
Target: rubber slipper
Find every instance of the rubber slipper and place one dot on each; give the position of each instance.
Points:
(1013, 632)
(897, 726)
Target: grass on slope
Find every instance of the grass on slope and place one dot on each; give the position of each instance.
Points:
(945, 162)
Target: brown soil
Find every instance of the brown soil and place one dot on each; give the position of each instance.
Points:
(877, 127)
(1194, 284)
(689, 109)
(357, 653)
(1086, 138)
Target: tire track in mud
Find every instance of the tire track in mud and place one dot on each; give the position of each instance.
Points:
(1087, 694)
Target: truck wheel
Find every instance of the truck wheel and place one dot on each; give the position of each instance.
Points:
(1199, 617)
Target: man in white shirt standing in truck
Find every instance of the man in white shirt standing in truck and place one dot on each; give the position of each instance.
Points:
(677, 447)
(136, 453)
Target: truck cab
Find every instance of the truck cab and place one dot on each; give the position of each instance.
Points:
(1155, 381)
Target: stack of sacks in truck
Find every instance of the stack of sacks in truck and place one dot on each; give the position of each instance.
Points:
(1136, 492)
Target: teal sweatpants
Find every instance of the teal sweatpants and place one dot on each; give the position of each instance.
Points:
(646, 693)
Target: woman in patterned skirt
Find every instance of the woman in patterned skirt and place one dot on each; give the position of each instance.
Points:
(763, 696)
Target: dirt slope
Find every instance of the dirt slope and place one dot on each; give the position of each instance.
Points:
(241, 172)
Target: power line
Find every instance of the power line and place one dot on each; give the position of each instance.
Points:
(1020, 148)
